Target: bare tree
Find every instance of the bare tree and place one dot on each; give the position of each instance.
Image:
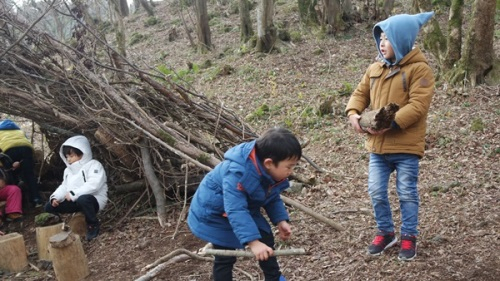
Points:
(332, 17)
(145, 5)
(202, 27)
(479, 54)
(463, 61)
(307, 11)
(266, 31)
(387, 9)
(454, 39)
(246, 30)
(124, 11)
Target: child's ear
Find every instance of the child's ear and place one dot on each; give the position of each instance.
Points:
(268, 163)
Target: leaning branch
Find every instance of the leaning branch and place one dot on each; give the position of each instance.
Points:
(312, 213)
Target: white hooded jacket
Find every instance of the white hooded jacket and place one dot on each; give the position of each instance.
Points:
(86, 176)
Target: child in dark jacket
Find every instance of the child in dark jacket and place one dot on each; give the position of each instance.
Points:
(226, 208)
(13, 142)
(402, 76)
(12, 196)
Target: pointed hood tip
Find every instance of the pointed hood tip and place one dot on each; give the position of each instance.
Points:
(423, 18)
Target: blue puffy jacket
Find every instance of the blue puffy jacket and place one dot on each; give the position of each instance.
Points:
(226, 208)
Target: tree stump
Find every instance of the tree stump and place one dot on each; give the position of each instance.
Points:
(77, 224)
(68, 258)
(379, 119)
(43, 235)
(13, 257)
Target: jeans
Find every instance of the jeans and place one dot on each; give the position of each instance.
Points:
(380, 168)
(87, 204)
(223, 266)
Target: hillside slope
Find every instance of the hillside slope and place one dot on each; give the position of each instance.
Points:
(459, 177)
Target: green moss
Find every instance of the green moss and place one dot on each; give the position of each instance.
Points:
(136, 38)
(166, 137)
(477, 125)
(203, 158)
(150, 21)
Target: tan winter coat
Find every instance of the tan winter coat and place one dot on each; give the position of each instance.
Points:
(411, 86)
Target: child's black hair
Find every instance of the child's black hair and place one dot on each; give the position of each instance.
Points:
(278, 144)
(67, 150)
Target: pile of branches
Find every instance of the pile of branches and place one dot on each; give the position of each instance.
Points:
(141, 123)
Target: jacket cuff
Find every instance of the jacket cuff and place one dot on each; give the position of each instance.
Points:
(352, 112)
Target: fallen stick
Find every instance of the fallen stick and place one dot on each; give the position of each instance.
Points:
(248, 254)
(310, 212)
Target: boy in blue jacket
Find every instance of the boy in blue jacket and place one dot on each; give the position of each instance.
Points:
(226, 208)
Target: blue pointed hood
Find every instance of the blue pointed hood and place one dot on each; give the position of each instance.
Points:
(7, 124)
(401, 30)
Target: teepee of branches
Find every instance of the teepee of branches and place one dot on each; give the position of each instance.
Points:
(141, 124)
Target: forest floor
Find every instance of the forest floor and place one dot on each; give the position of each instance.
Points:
(459, 180)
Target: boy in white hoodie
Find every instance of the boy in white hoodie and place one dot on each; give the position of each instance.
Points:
(84, 188)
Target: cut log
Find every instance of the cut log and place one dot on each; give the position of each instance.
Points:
(13, 257)
(68, 258)
(379, 119)
(43, 235)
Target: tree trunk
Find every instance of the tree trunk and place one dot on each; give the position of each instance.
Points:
(154, 183)
(434, 39)
(387, 9)
(332, 17)
(246, 30)
(307, 12)
(266, 31)
(124, 11)
(147, 7)
(347, 10)
(203, 29)
(478, 52)
(454, 40)
(137, 5)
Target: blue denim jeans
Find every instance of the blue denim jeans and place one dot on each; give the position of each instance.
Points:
(380, 168)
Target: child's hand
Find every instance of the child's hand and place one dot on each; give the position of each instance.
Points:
(285, 231)
(376, 133)
(1, 233)
(16, 165)
(261, 251)
(54, 203)
(354, 120)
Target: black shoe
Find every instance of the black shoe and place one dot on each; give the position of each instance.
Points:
(14, 217)
(92, 231)
(408, 247)
(382, 241)
(38, 203)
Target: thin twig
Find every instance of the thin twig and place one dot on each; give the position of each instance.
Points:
(131, 208)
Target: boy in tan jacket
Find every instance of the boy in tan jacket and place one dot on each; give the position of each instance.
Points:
(402, 76)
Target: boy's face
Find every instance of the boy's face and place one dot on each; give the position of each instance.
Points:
(281, 171)
(72, 157)
(2, 183)
(386, 48)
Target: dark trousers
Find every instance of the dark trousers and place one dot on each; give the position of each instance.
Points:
(24, 154)
(87, 204)
(223, 266)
